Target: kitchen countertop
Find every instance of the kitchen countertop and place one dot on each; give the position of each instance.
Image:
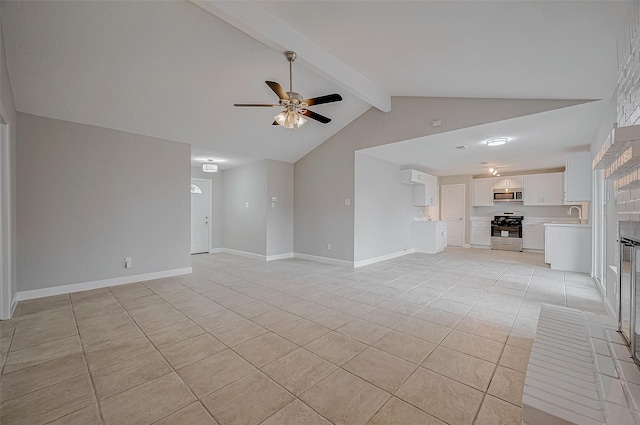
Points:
(586, 226)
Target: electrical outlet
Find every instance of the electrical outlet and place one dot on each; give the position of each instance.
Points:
(246, 204)
(127, 263)
(347, 201)
(329, 246)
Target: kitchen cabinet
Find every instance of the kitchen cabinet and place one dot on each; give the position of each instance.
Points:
(481, 233)
(426, 194)
(425, 187)
(510, 182)
(567, 247)
(412, 176)
(429, 237)
(533, 236)
(577, 177)
(543, 189)
(482, 192)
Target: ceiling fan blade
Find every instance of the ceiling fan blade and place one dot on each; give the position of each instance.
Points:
(335, 97)
(277, 89)
(268, 105)
(317, 117)
(275, 123)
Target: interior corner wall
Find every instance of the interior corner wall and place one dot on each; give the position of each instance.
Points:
(245, 208)
(383, 209)
(325, 177)
(6, 99)
(280, 211)
(89, 196)
(217, 203)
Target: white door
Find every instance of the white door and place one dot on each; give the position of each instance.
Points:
(200, 215)
(453, 212)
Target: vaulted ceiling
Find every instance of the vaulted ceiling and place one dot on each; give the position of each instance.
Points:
(173, 69)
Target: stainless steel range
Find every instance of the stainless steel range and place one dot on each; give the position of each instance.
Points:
(506, 231)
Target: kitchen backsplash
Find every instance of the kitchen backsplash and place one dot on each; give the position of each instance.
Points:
(559, 211)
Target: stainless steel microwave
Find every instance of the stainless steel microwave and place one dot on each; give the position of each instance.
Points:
(502, 196)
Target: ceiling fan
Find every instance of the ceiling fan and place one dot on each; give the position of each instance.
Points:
(295, 107)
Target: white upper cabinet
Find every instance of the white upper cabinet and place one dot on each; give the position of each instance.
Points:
(577, 177)
(428, 194)
(543, 189)
(510, 182)
(412, 176)
(482, 192)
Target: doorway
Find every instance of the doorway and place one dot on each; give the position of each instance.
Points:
(453, 205)
(200, 215)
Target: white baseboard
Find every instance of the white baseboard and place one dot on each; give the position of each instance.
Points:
(382, 258)
(279, 256)
(325, 260)
(85, 286)
(251, 254)
(466, 245)
(611, 310)
(244, 254)
(12, 309)
(481, 246)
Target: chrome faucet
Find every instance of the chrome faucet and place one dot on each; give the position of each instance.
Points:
(579, 212)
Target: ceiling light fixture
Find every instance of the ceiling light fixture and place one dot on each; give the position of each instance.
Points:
(290, 119)
(497, 141)
(494, 171)
(210, 167)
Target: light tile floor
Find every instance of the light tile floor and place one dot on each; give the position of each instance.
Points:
(421, 339)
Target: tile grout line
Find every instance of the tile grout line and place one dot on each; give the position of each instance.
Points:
(86, 363)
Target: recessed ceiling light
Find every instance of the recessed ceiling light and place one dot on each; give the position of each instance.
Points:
(497, 141)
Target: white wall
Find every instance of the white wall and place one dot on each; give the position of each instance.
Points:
(383, 209)
(259, 228)
(245, 208)
(217, 203)
(605, 127)
(326, 176)
(6, 100)
(87, 197)
(280, 213)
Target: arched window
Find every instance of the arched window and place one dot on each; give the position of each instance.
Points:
(195, 189)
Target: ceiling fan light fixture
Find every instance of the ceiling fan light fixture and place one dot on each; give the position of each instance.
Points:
(497, 141)
(210, 167)
(290, 119)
